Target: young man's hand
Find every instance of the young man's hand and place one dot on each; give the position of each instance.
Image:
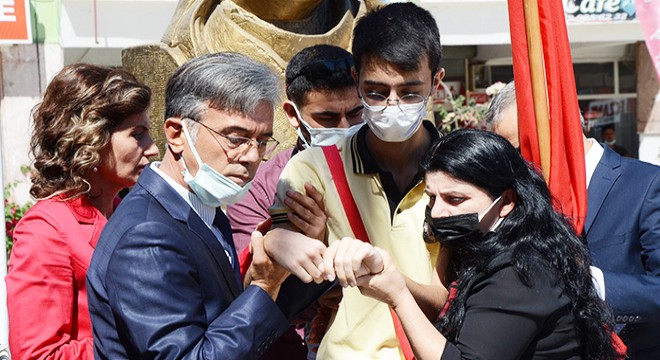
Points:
(347, 259)
(308, 212)
(299, 254)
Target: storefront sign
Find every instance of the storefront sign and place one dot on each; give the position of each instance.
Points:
(15, 25)
(586, 11)
(605, 112)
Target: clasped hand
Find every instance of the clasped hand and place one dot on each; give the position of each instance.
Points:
(352, 262)
(357, 263)
(299, 249)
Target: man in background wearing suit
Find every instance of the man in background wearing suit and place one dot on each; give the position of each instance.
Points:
(164, 280)
(622, 230)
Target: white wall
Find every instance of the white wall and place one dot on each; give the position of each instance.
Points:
(119, 23)
(24, 77)
(649, 148)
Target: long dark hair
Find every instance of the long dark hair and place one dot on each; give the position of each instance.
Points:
(534, 233)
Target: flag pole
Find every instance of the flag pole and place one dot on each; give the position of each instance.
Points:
(537, 75)
(545, 91)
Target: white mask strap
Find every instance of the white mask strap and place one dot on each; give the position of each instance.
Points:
(481, 216)
(497, 224)
(499, 219)
(190, 143)
(302, 123)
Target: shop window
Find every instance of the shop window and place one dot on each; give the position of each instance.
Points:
(627, 77)
(594, 78)
(480, 76)
(606, 94)
(484, 76)
(618, 113)
(502, 73)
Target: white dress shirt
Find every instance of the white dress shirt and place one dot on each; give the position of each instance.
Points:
(591, 160)
(205, 212)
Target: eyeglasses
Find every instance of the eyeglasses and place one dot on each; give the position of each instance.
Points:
(324, 69)
(242, 144)
(378, 102)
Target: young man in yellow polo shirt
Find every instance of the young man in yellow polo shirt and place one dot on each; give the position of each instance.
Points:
(397, 56)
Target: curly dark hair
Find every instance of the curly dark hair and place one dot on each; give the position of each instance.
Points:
(73, 124)
(534, 233)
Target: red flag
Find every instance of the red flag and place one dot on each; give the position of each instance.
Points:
(565, 170)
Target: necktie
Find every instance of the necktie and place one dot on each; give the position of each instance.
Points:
(222, 223)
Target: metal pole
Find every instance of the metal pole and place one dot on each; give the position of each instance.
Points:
(4, 318)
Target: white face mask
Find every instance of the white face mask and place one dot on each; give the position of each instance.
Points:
(323, 136)
(392, 124)
(211, 187)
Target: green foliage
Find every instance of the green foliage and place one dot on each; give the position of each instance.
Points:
(13, 211)
(464, 113)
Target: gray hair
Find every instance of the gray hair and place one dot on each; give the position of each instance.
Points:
(224, 81)
(502, 101)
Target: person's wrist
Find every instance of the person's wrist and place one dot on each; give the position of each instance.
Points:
(271, 289)
(268, 242)
(401, 298)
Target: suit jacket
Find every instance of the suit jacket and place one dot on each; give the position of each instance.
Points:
(623, 232)
(46, 294)
(160, 285)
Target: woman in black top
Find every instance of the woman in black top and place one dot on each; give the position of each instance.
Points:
(522, 287)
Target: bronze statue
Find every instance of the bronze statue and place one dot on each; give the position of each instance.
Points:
(270, 31)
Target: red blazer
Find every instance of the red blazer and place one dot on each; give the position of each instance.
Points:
(46, 294)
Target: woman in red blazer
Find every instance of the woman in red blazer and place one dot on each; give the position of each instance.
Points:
(90, 140)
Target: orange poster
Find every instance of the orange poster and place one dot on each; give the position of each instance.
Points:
(15, 26)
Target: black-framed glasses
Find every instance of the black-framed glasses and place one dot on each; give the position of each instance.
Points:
(242, 144)
(323, 69)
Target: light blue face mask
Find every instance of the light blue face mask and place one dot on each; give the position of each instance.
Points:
(211, 187)
(322, 136)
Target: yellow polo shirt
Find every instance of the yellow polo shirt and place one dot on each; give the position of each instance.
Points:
(362, 327)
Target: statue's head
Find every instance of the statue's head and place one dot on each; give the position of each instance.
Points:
(279, 10)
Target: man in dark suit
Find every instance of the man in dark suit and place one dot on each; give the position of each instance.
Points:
(164, 279)
(623, 232)
(622, 229)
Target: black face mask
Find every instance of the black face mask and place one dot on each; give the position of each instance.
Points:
(451, 231)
